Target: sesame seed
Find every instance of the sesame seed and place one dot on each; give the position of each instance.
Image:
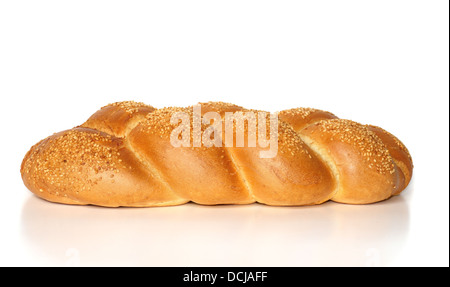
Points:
(130, 107)
(370, 146)
(82, 151)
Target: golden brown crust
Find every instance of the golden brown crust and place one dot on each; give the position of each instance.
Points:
(85, 166)
(367, 172)
(295, 176)
(219, 107)
(399, 153)
(219, 175)
(200, 174)
(118, 118)
(299, 118)
(122, 156)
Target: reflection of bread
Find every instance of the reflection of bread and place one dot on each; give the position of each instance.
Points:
(230, 235)
(122, 156)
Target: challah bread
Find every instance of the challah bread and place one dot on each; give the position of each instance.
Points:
(124, 155)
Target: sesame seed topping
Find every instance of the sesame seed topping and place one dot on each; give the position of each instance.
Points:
(399, 144)
(84, 152)
(367, 142)
(303, 113)
(130, 107)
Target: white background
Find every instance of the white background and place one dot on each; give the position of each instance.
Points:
(378, 62)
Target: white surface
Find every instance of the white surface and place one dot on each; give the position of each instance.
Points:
(378, 62)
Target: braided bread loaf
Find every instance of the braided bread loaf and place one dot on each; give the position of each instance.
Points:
(122, 156)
